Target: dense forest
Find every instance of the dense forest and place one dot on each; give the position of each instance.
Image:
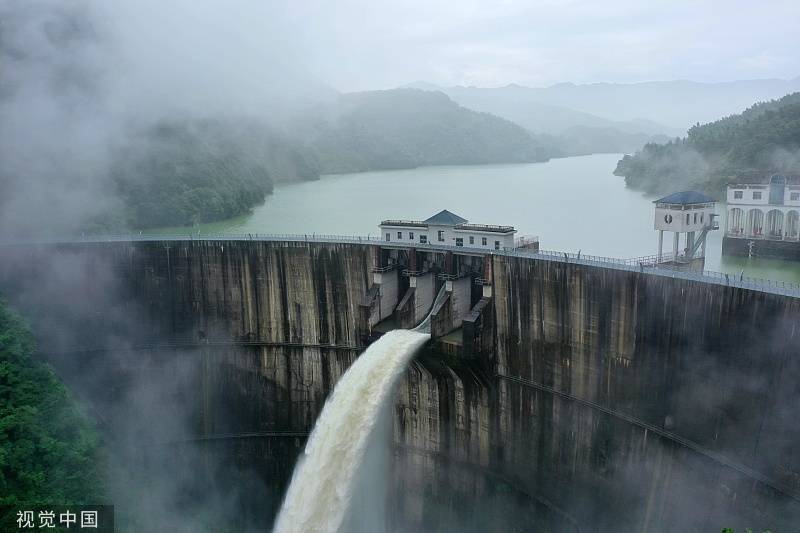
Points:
(182, 172)
(48, 448)
(187, 173)
(765, 138)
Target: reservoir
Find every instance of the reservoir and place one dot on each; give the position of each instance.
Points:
(571, 204)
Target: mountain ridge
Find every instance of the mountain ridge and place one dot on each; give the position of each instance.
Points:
(762, 139)
(674, 104)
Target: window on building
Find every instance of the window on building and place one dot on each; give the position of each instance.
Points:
(484, 242)
(687, 218)
(756, 195)
(701, 218)
(794, 196)
(423, 239)
(399, 234)
(411, 235)
(695, 218)
(471, 239)
(459, 241)
(388, 237)
(496, 245)
(737, 195)
(440, 235)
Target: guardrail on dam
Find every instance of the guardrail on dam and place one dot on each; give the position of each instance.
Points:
(630, 264)
(618, 397)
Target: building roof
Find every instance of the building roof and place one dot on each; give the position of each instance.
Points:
(446, 218)
(685, 197)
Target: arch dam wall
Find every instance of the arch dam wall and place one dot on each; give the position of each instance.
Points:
(577, 397)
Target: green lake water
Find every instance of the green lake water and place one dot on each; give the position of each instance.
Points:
(572, 204)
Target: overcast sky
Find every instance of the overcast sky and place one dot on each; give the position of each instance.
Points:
(355, 44)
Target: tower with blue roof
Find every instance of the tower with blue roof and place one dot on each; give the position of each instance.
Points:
(688, 213)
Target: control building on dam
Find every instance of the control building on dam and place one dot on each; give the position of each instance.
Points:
(558, 393)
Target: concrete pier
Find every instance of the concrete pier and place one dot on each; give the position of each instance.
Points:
(416, 303)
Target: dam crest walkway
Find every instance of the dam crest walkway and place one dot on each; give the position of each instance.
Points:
(636, 264)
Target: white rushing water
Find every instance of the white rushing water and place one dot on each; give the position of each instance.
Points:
(324, 482)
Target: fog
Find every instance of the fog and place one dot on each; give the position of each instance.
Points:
(80, 78)
(543, 42)
(81, 82)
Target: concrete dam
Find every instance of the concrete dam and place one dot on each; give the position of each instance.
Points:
(557, 394)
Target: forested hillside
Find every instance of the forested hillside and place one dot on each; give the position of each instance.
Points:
(48, 449)
(764, 138)
(182, 172)
(186, 173)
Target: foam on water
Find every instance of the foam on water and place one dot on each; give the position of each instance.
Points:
(324, 482)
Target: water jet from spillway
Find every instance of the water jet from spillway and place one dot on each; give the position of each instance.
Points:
(324, 481)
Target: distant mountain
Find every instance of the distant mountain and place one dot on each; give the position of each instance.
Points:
(676, 104)
(529, 110)
(575, 132)
(405, 128)
(763, 139)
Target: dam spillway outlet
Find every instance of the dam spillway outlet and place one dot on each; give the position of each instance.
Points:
(331, 476)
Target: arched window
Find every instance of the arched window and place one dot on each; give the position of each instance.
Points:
(774, 226)
(735, 221)
(792, 225)
(755, 223)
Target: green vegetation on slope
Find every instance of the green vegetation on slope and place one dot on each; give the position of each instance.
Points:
(405, 128)
(765, 138)
(182, 172)
(186, 173)
(48, 449)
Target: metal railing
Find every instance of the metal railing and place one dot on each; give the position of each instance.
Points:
(762, 236)
(634, 264)
(404, 223)
(525, 240)
(484, 227)
(654, 259)
(670, 270)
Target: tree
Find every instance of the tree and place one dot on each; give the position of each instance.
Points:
(49, 451)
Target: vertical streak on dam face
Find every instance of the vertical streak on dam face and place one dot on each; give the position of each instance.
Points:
(322, 486)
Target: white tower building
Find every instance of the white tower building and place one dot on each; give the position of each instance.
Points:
(690, 213)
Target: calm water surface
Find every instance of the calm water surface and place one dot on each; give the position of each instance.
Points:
(572, 204)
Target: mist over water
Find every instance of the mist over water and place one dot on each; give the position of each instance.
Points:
(341, 477)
